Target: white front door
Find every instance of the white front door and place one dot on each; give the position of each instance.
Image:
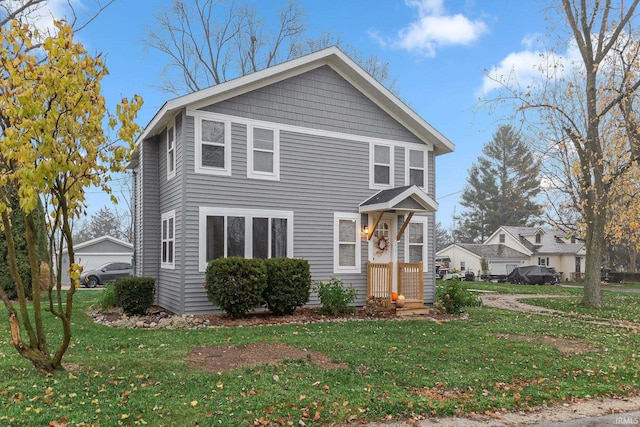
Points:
(382, 245)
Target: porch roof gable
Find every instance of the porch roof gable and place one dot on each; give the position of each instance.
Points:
(409, 198)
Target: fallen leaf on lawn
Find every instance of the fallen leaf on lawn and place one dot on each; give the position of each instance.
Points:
(194, 403)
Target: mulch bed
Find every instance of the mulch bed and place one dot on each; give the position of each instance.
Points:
(159, 317)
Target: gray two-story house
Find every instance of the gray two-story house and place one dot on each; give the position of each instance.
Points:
(312, 159)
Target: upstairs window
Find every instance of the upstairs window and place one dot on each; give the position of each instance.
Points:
(538, 238)
(501, 237)
(381, 166)
(213, 146)
(263, 151)
(171, 151)
(416, 168)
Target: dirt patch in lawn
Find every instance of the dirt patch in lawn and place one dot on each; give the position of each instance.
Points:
(225, 358)
(564, 346)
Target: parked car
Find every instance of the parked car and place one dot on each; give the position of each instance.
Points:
(533, 275)
(106, 273)
(445, 274)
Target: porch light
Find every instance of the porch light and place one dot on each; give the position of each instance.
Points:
(366, 230)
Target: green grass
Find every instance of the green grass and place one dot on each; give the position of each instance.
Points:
(508, 288)
(395, 369)
(617, 307)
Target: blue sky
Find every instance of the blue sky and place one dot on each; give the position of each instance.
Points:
(438, 51)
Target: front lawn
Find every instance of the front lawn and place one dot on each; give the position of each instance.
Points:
(394, 370)
(617, 307)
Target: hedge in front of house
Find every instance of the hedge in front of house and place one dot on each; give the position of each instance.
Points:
(236, 284)
(134, 294)
(288, 284)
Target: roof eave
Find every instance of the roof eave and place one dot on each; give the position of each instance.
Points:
(426, 201)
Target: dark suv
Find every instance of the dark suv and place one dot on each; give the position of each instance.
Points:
(105, 273)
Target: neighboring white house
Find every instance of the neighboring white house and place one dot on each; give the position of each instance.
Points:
(95, 252)
(468, 257)
(510, 247)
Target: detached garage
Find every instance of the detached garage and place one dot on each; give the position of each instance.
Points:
(95, 252)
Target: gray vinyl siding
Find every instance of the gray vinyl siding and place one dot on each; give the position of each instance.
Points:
(313, 191)
(147, 250)
(169, 282)
(319, 175)
(319, 99)
(431, 185)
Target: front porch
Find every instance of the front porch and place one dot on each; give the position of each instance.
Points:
(410, 284)
(390, 213)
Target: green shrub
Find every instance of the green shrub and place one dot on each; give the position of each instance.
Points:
(107, 300)
(453, 297)
(134, 294)
(335, 297)
(236, 284)
(288, 284)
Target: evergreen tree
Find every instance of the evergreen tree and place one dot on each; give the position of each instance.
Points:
(501, 188)
(443, 238)
(22, 253)
(103, 223)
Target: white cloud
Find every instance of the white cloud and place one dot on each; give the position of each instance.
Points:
(532, 65)
(435, 28)
(43, 16)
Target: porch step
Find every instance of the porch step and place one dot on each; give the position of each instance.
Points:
(412, 311)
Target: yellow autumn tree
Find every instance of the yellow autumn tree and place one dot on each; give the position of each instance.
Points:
(53, 146)
(577, 104)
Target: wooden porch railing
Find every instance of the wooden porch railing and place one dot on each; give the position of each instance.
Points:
(411, 281)
(380, 280)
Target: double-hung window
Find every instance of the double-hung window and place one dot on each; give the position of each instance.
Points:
(213, 145)
(248, 233)
(415, 173)
(415, 247)
(171, 151)
(347, 248)
(381, 166)
(168, 240)
(263, 152)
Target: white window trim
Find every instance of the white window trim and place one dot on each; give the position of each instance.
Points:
(198, 116)
(303, 130)
(337, 216)
(372, 184)
(251, 173)
(248, 214)
(407, 164)
(171, 171)
(424, 221)
(172, 239)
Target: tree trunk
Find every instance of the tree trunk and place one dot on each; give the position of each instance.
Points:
(595, 243)
(633, 258)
